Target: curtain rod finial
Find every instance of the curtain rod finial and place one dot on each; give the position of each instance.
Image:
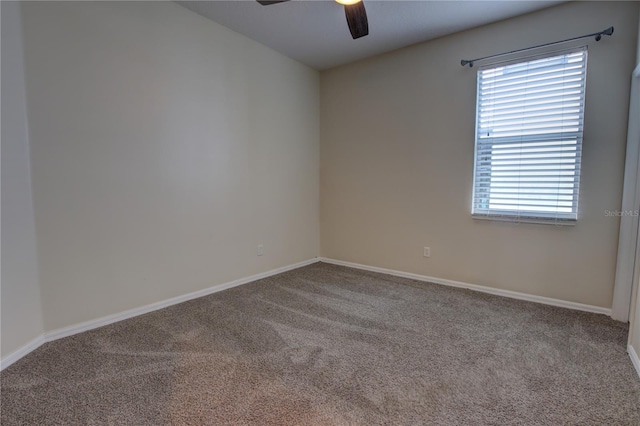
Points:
(608, 32)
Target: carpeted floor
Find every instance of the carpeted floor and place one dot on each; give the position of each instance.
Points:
(328, 345)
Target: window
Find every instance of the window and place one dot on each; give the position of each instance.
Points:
(529, 123)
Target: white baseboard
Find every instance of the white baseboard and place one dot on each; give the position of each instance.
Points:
(634, 358)
(475, 287)
(99, 322)
(22, 351)
(110, 319)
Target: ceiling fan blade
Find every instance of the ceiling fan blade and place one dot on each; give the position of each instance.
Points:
(357, 19)
(268, 2)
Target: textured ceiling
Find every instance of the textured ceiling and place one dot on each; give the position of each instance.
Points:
(316, 33)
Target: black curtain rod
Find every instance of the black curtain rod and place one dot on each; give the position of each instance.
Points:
(597, 35)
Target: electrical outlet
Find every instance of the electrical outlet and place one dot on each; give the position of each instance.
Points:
(260, 250)
(427, 252)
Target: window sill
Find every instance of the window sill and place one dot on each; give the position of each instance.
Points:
(522, 219)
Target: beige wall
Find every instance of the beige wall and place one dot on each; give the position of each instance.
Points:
(20, 308)
(397, 151)
(165, 147)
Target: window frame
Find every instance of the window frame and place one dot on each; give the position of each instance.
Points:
(555, 218)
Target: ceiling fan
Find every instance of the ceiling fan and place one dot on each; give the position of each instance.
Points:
(353, 9)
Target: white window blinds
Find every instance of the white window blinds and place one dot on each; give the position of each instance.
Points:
(529, 138)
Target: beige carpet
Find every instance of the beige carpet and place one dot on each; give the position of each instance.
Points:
(328, 345)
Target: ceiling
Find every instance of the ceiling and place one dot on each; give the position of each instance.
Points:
(316, 33)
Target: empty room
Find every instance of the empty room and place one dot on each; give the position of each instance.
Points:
(330, 212)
